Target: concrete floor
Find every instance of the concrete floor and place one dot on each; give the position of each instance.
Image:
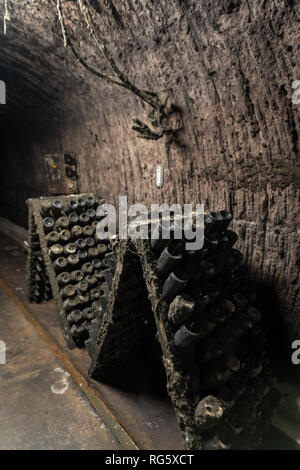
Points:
(41, 406)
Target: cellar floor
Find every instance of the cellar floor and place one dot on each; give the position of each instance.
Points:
(49, 402)
(41, 406)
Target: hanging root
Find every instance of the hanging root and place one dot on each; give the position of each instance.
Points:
(157, 101)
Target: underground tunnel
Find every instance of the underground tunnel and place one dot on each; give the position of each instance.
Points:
(168, 103)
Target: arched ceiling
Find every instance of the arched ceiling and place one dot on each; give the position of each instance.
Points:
(33, 62)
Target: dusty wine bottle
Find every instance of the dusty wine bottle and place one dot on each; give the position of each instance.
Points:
(99, 274)
(87, 268)
(71, 303)
(169, 258)
(76, 231)
(222, 440)
(101, 213)
(90, 242)
(91, 213)
(95, 293)
(208, 412)
(161, 235)
(77, 275)
(73, 218)
(73, 204)
(219, 223)
(226, 219)
(91, 201)
(185, 337)
(210, 225)
(91, 279)
(108, 276)
(110, 260)
(62, 222)
(181, 309)
(88, 314)
(60, 264)
(57, 206)
(73, 260)
(81, 203)
(55, 250)
(97, 263)
(83, 286)
(65, 235)
(82, 254)
(52, 238)
(63, 278)
(48, 224)
(77, 331)
(93, 252)
(68, 291)
(84, 219)
(70, 249)
(80, 243)
(174, 284)
(88, 231)
(102, 248)
(84, 299)
(98, 309)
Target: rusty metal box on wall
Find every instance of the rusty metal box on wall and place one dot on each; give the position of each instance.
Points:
(61, 173)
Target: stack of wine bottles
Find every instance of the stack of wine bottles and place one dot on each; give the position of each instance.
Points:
(128, 321)
(215, 339)
(215, 353)
(38, 285)
(79, 264)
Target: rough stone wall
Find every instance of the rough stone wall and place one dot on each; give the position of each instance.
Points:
(230, 65)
